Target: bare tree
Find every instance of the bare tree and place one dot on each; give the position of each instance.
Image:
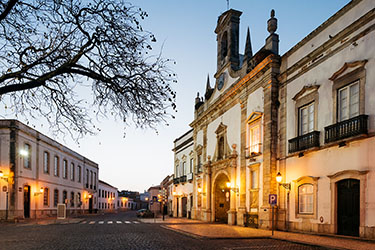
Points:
(51, 50)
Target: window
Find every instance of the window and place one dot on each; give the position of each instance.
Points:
(306, 199)
(220, 154)
(65, 197)
(79, 199)
(199, 163)
(224, 45)
(90, 179)
(99, 194)
(306, 119)
(56, 166)
(184, 168)
(72, 199)
(46, 162)
(94, 180)
(27, 156)
(176, 173)
(46, 197)
(55, 197)
(254, 139)
(348, 101)
(191, 165)
(87, 178)
(72, 171)
(65, 169)
(79, 169)
(103, 194)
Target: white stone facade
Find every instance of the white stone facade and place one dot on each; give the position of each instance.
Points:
(108, 200)
(182, 188)
(39, 173)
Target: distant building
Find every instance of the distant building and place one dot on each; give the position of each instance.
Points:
(107, 197)
(167, 197)
(155, 205)
(182, 190)
(38, 173)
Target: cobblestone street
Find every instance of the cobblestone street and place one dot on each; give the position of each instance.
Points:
(120, 231)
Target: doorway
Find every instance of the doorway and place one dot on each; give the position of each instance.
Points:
(184, 205)
(90, 205)
(222, 199)
(348, 207)
(26, 201)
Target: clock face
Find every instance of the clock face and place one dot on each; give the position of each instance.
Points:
(221, 80)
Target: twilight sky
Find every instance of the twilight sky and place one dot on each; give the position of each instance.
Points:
(185, 29)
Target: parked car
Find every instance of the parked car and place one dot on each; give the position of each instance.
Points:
(144, 213)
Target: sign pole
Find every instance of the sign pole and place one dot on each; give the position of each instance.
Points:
(272, 219)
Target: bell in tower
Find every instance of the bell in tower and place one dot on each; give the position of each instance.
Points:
(227, 31)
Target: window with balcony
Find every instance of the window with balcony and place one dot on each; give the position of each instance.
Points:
(72, 199)
(306, 103)
(56, 166)
(46, 162)
(87, 178)
(348, 91)
(222, 149)
(65, 197)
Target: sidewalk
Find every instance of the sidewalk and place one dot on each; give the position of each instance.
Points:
(223, 231)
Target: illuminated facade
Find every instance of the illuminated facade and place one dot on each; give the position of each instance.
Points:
(182, 189)
(39, 173)
(306, 117)
(108, 200)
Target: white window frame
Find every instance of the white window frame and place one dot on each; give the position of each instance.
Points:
(349, 101)
(306, 200)
(310, 116)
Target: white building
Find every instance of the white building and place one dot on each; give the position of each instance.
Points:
(307, 117)
(182, 192)
(107, 197)
(327, 122)
(39, 173)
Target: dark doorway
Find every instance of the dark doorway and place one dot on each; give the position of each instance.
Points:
(222, 199)
(184, 205)
(26, 201)
(177, 207)
(90, 205)
(348, 207)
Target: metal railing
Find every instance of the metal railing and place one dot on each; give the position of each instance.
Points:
(345, 129)
(183, 179)
(304, 142)
(176, 180)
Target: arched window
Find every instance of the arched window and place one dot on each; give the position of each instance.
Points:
(306, 199)
(224, 45)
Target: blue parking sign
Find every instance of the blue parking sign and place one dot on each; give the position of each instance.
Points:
(272, 199)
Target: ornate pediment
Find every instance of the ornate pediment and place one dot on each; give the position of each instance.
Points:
(221, 129)
(254, 116)
(306, 89)
(347, 65)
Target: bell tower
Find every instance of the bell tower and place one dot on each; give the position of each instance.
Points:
(227, 31)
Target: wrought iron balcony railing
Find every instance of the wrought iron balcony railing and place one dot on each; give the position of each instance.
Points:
(176, 180)
(345, 129)
(304, 142)
(183, 179)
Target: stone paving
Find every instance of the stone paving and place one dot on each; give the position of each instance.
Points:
(222, 231)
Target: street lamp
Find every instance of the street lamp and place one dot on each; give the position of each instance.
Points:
(287, 186)
(279, 178)
(24, 152)
(232, 188)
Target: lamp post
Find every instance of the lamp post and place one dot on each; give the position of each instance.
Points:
(287, 186)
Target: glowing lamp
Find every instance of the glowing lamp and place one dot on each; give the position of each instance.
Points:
(228, 185)
(199, 190)
(279, 178)
(41, 189)
(1, 174)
